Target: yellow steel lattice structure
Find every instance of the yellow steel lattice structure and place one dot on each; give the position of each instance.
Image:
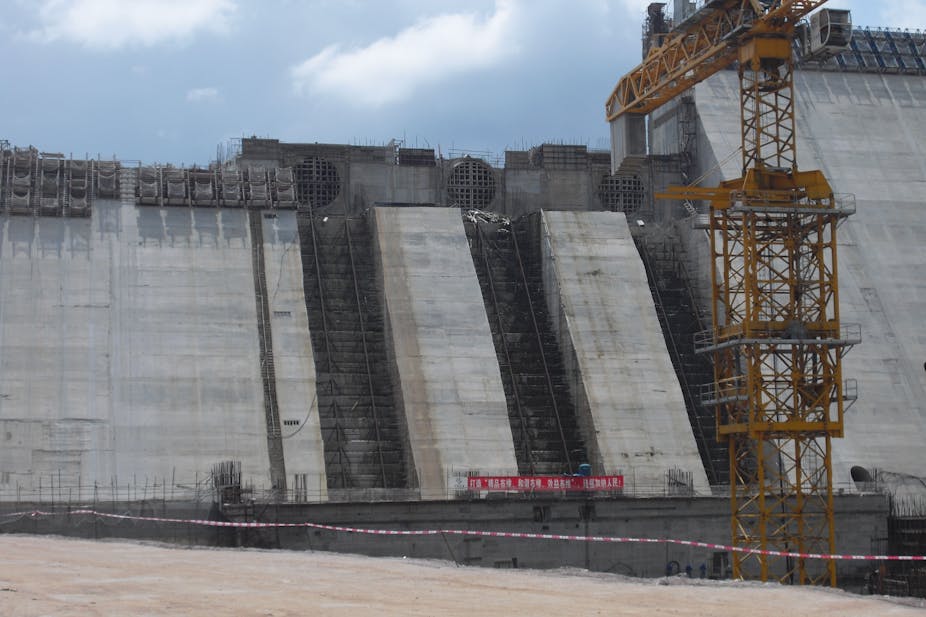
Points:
(777, 344)
(695, 50)
(776, 340)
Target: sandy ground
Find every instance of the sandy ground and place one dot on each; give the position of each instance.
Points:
(62, 576)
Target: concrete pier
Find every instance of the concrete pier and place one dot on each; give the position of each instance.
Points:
(624, 383)
(447, 368)
(294, 364)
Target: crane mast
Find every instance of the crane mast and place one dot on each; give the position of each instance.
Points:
(776, 339)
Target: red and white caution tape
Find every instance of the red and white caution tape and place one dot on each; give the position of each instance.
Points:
(476, 533)
(19, 514)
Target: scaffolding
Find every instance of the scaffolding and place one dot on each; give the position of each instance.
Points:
(365, 451)
(541, 411)
(680, 318)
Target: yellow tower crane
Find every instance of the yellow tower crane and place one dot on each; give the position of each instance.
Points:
(777, 342)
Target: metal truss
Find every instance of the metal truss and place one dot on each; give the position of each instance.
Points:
(777, 341)
(705, 43)
(767, 106)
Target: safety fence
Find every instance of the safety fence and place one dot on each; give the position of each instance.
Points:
(462, 532)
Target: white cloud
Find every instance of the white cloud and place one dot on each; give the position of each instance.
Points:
(904, 14)
(202, 95)
(110, 24)
(391, 68)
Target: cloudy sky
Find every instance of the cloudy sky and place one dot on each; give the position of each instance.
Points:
(168, 80)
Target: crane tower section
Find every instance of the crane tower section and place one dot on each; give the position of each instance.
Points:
(777, 341)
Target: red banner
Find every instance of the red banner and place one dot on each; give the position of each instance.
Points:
(545, 483)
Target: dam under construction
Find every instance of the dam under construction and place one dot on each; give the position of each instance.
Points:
(350, 333)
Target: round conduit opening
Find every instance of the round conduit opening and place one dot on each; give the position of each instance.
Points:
(471, 184)
(317, 182)
(621, 193)
(860, 474)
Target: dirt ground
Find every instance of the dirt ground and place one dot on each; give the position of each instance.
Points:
(41, 575)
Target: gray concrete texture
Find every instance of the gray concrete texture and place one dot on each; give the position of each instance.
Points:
(294, 366)
(129, 348)
(625, 386)
(628, 140)
(448, 374)
(864, 131)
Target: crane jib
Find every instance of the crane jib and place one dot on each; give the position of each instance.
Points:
(700, 46)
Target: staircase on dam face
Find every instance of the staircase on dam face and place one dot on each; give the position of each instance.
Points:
(359, 420)
(544, 425)
(680, 320)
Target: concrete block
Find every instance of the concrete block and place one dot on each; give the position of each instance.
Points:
(628, 140)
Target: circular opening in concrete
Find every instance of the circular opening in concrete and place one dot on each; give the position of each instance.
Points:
(471, 184)
(860, 474)
(621, 193)
(317, 182)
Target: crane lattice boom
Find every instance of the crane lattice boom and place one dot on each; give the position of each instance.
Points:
(777, 341)
(704, 44)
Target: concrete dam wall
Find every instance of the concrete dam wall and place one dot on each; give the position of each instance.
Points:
(145, 344)
(862, 131)
(129, 346)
